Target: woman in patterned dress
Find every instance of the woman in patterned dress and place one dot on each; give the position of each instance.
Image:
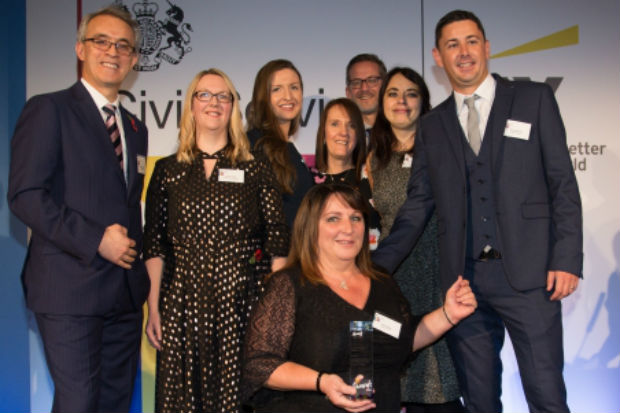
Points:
(429, 383)
(213, 220)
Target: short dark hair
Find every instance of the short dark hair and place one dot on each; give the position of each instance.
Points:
(366, 57)
(456, 16)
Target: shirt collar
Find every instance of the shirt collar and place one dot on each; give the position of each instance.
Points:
(485, 91)
(99, 99)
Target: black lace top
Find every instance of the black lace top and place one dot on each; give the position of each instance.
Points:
(308, 324)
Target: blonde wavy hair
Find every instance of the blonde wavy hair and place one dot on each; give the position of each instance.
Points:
(238, 149)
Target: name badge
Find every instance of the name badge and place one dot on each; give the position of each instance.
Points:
(407, 161)
(373, 238)
(141, 164)
(516, 129)
(231, 175)
(385, 324)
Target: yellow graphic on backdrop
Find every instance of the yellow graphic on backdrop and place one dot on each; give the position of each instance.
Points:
(147, 352)
(150, 165)
(566, 37)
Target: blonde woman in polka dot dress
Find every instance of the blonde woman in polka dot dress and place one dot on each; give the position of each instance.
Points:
(214, 227)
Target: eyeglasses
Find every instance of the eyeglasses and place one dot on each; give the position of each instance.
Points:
(372, 81)
(205, 96)
(123, 48)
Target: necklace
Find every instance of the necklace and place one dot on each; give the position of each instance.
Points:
(343, 282)
(340, 177)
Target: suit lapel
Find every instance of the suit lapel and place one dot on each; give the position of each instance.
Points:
(88, 112)
(454, 132)
(500, 113)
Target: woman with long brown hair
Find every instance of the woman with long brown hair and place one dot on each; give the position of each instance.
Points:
(297, 354)
(341, 152)
(275, 118)
(430, 383)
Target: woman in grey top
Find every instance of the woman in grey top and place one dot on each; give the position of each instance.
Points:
(430, 383)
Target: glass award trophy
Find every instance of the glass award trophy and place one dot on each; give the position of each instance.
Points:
(360, 359)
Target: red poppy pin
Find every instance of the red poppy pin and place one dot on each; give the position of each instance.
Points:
(134, 126)
(257, 257)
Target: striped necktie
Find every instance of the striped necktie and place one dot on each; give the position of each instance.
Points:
(115, 134)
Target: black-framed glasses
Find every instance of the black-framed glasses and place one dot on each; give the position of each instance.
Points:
(205, 96)
(122, 47)
(371, 81)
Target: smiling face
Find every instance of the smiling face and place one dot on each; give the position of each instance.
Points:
(365, 96)
(212, 116)
(106, 70)
(341, 232)
(463, 53)
(340, 135)
(402, 103)
(285, 95)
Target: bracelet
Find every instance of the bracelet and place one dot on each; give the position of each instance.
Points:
(318, 381)
(443, 307)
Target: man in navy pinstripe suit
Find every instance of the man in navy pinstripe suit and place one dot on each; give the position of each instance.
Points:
(83, 276)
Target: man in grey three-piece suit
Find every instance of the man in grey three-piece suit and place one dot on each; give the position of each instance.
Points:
(492, 160)
(76, 176)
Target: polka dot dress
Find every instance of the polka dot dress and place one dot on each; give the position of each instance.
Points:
(216, 239)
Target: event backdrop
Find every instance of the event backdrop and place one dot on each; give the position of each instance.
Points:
(573, 48)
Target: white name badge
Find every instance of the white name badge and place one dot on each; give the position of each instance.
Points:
(231, 175)
(407, 161)
(516, 129)
(141, 164)
(385, 324)
(373, 238)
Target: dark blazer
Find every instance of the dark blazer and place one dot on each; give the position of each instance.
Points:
(537, 201)
(66, 185)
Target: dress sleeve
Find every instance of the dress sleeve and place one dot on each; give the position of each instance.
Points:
(276, 237)
(269, 333)
(156, 242)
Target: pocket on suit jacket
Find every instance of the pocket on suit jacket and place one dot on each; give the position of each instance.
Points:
(536, 210)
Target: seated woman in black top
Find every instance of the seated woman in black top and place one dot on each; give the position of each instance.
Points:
(340, 154)
(275, 114)
(296, 356)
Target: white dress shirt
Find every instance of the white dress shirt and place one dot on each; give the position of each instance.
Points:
(101, 101)
(484, 102)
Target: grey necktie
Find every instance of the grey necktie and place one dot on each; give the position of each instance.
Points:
(473, 124)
